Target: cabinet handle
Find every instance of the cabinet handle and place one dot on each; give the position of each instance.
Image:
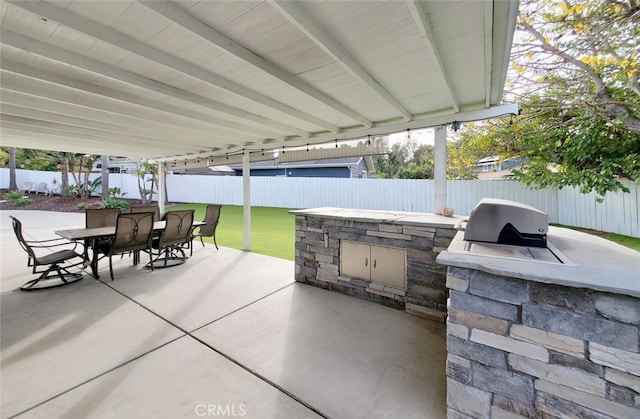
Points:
(374, 263)
(366, 261)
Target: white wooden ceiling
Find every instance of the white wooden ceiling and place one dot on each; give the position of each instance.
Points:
(151, 79)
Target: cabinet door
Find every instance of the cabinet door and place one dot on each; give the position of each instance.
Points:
(388, 266)
(355, 260)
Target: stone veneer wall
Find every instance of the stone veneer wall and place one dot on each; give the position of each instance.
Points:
(518, 348)
(317, 261)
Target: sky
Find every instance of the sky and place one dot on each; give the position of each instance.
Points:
(420, 136)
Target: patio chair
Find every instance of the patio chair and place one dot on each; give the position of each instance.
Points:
(177, 233)
(211, 219)
(148, 208)
(41, 188)
(133, 234)
(26, 187)
(42, 253)
(56, 189)
(100, 217)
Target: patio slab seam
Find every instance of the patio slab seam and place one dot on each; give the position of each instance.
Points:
(95, 377)
(261, 377)
(141, 305)
(217, 351)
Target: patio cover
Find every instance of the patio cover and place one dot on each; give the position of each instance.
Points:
(193, 79)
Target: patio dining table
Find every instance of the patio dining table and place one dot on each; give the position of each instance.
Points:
(96, 233)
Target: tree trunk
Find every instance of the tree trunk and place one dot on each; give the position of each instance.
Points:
(13, 185)
(105, 176)
(166, 195)
(64, 174)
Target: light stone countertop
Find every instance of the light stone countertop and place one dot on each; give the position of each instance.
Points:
(384, 217)
(591, 262)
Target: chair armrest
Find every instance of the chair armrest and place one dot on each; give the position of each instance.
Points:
(43, 244)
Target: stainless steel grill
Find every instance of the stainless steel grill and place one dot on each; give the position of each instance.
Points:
(507, 222)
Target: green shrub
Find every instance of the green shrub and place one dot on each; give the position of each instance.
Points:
(81, 205)
(23, 202)
(115, 193)
(13, 195)
(114, 203)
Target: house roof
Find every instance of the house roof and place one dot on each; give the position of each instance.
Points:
(338, 162)
(489, 159)
(151, 79)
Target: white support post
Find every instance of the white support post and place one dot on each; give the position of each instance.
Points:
(162, 180)
(440, 169)
(246, 198)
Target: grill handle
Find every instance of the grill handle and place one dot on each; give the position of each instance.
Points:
(461, 225)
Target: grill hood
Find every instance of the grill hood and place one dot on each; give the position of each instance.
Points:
(507, 222)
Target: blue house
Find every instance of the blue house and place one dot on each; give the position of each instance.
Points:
(493, 167)
(344, 167)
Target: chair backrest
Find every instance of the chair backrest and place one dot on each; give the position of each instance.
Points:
(26, 186)
(178, 228)
(42, 187)
(211, 218)
(148, 208)
(133, 232)
(103, 217)
(17, 229)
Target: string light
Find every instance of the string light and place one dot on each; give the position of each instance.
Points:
(455, 125)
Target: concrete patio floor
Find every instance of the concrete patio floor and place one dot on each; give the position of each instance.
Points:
(228, 334)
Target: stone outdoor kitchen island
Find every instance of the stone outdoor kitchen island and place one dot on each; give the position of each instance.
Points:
(553, 337)
(533, 339)
(388, 257)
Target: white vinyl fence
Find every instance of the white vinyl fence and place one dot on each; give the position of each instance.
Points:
(619, 213)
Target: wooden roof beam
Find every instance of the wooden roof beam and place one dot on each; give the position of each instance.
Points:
(421, 17)
(294, 12)
(108, 35)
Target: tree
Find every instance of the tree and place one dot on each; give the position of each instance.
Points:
(415, 171)
(30, 159)
(27, 159)
(406, 161)
(575, 75)
(80, 166)
(104, 168)
(62, 165)
(584, 53)
(420, 165)
(12, 169)
(464, 152)
(147, 173)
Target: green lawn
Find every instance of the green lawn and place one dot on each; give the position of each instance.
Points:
(631, 242)
(628, 241)
(272, 229)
